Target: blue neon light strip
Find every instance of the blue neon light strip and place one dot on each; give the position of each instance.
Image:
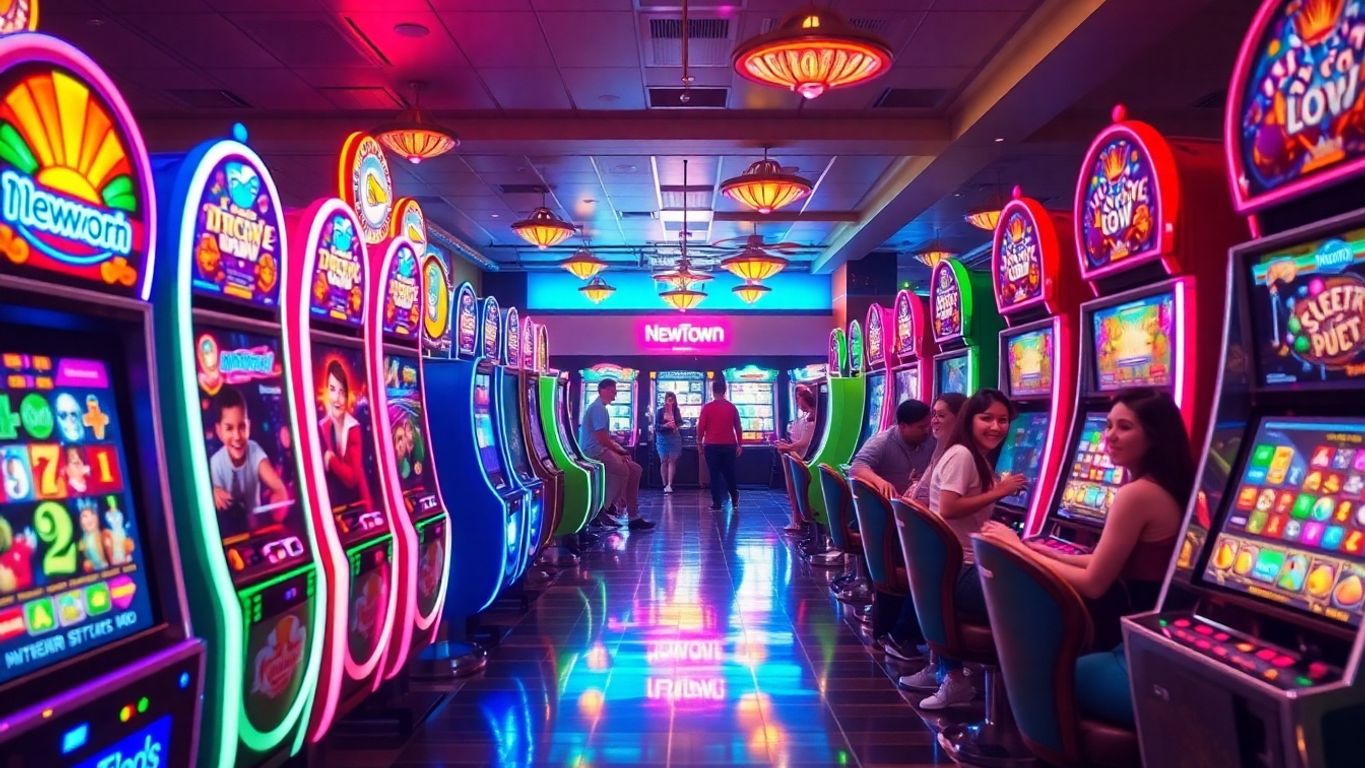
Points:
(557, 291)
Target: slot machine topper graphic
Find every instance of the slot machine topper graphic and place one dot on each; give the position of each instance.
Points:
(365, 183)
(912, 349)
(335, 402)
(247, 540)
(92, 608)
(959, 322)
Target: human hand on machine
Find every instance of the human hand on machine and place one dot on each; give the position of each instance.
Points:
(882, 486)
(1001, 535)
(1010, 483)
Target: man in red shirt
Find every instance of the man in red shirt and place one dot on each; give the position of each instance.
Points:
(719, 431)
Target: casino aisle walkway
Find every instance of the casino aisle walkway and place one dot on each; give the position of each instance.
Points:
(704, 642)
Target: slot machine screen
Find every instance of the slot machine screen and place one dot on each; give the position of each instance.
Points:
(345, 428)
(1030, 359)
(876, 390)
(485, 434)
(907, 384)
(1022, 452)
(755, 401)
(72, 574)
(408, 424)
(250, 448)
(950, 374)
(1294, 532)
(533, 414)
(511, 425)
(1133, 343)
(1092, 480)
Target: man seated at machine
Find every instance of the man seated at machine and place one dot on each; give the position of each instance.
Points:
(897, 456)
(623, 473)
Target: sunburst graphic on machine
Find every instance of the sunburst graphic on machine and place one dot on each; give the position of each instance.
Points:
(70, 201)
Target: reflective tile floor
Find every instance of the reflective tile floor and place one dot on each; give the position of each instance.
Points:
(703, 642)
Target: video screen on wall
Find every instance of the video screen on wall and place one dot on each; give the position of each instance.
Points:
(485, 432)
(250, 447)
(1308, 312)
(345, 428)
(1022, 452)
(408, 427)
(1133, 343)
(72, 570)
(1030, 359)
(1294, 532)
(1092, 480)
(950, 374)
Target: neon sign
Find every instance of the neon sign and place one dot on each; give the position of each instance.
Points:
(367, 186)
(1299, 119)
(1120, 217)
(945, 296)
(75, 191)
(236, 234)
(670, 335)
(337, 290)
(402, 311)
(492, 324)
(1019, 260)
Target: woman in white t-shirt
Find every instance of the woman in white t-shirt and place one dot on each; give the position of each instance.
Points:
(963, 490)
(801, 429)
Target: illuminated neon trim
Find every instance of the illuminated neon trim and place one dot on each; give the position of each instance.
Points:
(237, 729)
(1183, 383)
(26, 48)
(307, 227)
(1166, 183)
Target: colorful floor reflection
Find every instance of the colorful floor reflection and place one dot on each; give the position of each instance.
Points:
(701, 643)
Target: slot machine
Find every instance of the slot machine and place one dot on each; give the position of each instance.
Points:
(808, 377)
(97, 662)
(256, 589)
(879, 411)
(511, 438)
(1037, 291)
(912, 351)
(623, 413)
(406, 319)
(1158, 297)
(753, 391)
(568, 437)
(839, 419)
(1253, 654)
(521, 354)
(336, 407)
(584, 483)
(964, 322)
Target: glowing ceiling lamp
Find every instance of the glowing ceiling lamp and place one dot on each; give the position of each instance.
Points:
(682, 299)
(985, 218)
(765, 188)
(933, 255)
(582, 264)
(596, 290)
(681, 296)
(812, 51)
(750, 292)
(753, 264)
(413, 138)
(543, 229)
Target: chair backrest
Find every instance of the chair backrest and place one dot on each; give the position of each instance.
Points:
(839, 503)
(933, 559)
(801, 484)
(1040, 626)
(879, 540)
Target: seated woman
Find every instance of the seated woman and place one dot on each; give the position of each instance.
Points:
(800, 430)
(963, 490)
(1145, 435)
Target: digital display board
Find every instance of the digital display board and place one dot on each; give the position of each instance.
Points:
(756, 402)
(72, 576)
(1030, 359)
(1092, 480)
(1133, 343)
(345, 430)
(1022, 452)
(1294, 532)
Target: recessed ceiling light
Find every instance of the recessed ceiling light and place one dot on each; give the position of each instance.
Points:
(495, 215)
(411, 29)
(95, 21)
(999, 139)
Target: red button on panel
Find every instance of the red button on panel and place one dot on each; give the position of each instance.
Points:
(1181, 622)
(1266, 654)
(1222, 637)
(1317, 670)
(1283, 661)
(1204, 629)
(1203, 645)
(1220, 651)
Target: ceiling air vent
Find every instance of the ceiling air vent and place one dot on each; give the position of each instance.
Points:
(911, 98)
(523, 189)
(696, 98)
(697, 29)
(708, 42)
(698, 196)
(1217, 100)
(208, 98)
(879, 27)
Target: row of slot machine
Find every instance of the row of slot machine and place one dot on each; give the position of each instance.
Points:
(228, 432)
(1248, 308)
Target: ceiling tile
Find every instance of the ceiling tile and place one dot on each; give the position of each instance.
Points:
(605, 88)
(206, 40)
(110, 44)
(484, 164)
(477, 5)
(435, 51)
(958, 38)
(746, 94)
(583, 5)
(704, 77)
(453, 89)
(592, 40)
(526, 88)
(281, 91)
(500, 39)
(143, 6)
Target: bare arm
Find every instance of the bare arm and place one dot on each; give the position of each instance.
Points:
(865, 473)
(952, 505)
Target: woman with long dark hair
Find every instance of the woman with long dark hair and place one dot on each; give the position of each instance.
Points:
(668, 438)
(1145, 435)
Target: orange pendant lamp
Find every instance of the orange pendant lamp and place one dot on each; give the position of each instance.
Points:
(985, 218)
(812, 51)
(765, 188)
(753, 264)
(583, 264)
(750, 292)
(597, 290)
(682, 299)
(413, 138)
(543, 229)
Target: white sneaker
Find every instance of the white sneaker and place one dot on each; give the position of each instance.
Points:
(668, 489)
(924, 680)
(955, 691)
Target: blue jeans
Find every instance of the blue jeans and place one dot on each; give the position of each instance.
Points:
(1103, 691)
(971, 604)
(720, 461)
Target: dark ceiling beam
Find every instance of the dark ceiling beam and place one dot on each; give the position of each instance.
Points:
(580, 133)
(1067, 49)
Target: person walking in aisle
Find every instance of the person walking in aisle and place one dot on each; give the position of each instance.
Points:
(719, 431)
(623, 474)
(668, 438)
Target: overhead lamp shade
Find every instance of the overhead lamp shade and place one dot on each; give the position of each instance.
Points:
(754, 264)
(750, 292)
(812, 51)
(765, 188)
(543, 229)
(596, 290)
(681, 278)
(933, 256)
(417, 141)
(985, 218)
(682, 299)
(583, 265)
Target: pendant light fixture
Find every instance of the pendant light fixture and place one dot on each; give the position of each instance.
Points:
(984, 218)
(764, 187)
(754, 264)
(749, 292)
(596, 290)
(934, 252)
(414, 138)
(543, 229)
(583, 264)
(682, 296)
(812, 51)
